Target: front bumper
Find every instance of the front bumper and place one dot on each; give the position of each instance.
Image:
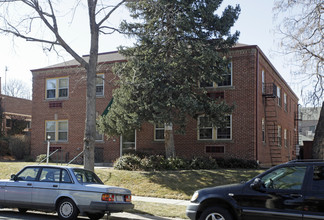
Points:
(110, 207)
(192, 211)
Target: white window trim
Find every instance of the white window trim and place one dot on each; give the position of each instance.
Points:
(279, 136)
(263, 131)
(103, 84)
(279, 96)
(158, 129)
(214, 131)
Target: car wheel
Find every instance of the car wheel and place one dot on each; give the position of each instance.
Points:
(95, 216)
(21, 210)
(67, 210)
(215, 213)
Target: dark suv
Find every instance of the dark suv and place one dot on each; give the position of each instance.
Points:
(294, 190)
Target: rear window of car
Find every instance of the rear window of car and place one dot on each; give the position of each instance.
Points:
(86, 176)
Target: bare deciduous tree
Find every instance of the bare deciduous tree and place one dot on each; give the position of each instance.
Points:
(302, 31)
(16, 88)
(40, 21)
(303, 36)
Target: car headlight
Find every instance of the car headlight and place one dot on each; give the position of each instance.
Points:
(194, 196)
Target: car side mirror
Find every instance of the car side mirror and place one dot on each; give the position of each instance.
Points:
(14, 177)
(257, 184)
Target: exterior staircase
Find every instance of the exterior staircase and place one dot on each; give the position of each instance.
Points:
(271, 121)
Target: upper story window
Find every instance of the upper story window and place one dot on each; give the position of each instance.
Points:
(263, 82)
(209, 132)
(57, 88)
(285, 102)
(279, 95)
(57, 130)
(279, 136)
(227, 79)
(100, 85)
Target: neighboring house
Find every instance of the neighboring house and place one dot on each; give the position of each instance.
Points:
(14, 112)
(263, 126)
(307, 126)
(308, 123)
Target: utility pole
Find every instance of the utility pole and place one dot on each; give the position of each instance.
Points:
(5, 83)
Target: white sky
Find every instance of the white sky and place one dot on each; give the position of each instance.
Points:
(255, 24)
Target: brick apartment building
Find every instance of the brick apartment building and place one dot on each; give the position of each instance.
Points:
(14, 109)
(263, 126)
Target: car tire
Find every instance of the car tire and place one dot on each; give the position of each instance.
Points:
(22, 210)
(95, 216)
(215, 212)
(67, 210)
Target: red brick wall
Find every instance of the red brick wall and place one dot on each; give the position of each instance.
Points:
(245, 95)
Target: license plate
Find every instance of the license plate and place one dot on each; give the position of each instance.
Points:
(119, 198)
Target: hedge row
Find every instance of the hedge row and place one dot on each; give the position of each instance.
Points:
(159, 162)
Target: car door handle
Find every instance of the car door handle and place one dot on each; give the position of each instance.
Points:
(296, 195)
(29, 184)
(55, 185)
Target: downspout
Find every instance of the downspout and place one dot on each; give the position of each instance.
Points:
(256, 108)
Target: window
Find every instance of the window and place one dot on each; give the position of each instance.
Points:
(159, 132)
(285, 102)
(285, 178)
(57, 88)
(57, 130)
(263, 130)
(206, 129)
(28, 174)
(227, 79)
(279, 136)
(215, 149)
(99, 137)
(225, 133)
(318, 178)
(263, 82)
(285, 138)
(50, 175)
(279, 95)
(65, 178)
(208, 132)
(100, 85)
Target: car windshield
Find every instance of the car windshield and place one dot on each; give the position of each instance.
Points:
(86, 176)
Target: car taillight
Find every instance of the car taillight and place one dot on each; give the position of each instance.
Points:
(108, 197)
(128, 198)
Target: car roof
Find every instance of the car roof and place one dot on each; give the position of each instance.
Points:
(54, 166)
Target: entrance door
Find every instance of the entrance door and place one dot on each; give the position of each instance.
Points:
(128, 142)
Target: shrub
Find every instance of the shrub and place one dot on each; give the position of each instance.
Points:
(40, 157)
(198, 163)
(19, 146)
(237, 163)
(128, 162)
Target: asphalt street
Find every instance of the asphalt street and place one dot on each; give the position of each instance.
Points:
(13, 214)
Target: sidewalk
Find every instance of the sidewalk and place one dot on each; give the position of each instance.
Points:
(159, 200)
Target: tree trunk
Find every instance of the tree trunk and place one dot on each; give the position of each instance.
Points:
(169, 141)
(90, 123)
(318, 143)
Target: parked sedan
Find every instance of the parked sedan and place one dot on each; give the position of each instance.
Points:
(69, 191)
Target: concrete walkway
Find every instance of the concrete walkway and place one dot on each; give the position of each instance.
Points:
(160, 200)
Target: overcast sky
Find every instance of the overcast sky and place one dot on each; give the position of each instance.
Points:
(255, 24)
